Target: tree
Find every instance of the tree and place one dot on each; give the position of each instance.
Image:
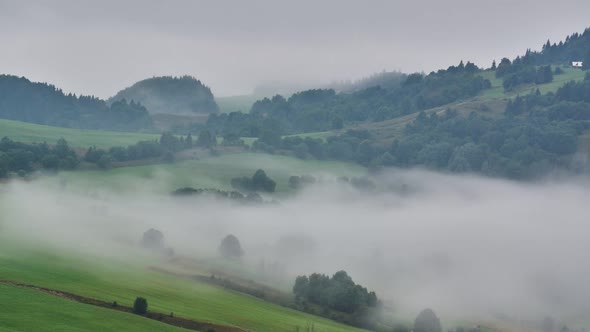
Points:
(262, 182)
(169, 142)
(188, 142)
(301, 287)
(427, 321)
(586, 64)
(494, 65)
(206, 139)
(153, 239)
(230, 247)
(548, 324)
(140, 306)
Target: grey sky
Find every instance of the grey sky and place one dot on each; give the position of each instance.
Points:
(99, 47)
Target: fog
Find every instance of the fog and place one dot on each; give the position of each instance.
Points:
(100, 47)
(466, 246)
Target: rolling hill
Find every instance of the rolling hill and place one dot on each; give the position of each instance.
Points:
(170, 95)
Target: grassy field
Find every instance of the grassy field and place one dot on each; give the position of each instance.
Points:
(497, 90)
(122, 281)
(30, 310)
(212, 172)
(34, 133)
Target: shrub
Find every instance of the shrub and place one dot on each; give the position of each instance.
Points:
(140, 306)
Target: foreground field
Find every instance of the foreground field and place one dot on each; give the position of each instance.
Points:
(122, 281)
(30, 310)
(212, 172)
(81, 138)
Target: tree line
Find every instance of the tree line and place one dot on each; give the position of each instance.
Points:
(537, 134)
(20, 159)
(23, 100)
(324, 109)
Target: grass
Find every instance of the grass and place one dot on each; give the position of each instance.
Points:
(121, 281)
(30, 310)
(212, 172)
(82, 138)
(497, 90)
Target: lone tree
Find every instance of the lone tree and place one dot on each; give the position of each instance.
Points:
(140, 306)
(230, 247)
(153, 239)
(427, 322)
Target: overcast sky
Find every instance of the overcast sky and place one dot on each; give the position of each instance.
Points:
(98, 47)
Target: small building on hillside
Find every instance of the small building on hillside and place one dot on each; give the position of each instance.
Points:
(577, 64)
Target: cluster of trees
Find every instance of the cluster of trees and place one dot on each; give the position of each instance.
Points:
(522, 71)
(575, 48)
(169, 94)
(352, 145)
(338, 293)
(23, 100)
(163, 149)
(258, 182)
(21, 158)
(234, 195)
(324, 109)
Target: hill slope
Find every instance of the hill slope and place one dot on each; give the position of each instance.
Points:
(176, 95)
(78, 138)
(111, 280)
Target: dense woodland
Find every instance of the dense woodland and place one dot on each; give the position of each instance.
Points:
(324, 109)
(170, 95)
(23, 100)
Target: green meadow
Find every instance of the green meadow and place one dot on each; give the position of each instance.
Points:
(111, 279)
(212, 172)
(81, 138)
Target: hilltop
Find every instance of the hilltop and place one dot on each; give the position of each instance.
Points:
(170, 95)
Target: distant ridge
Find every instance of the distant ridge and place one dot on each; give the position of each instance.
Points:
(170, 95)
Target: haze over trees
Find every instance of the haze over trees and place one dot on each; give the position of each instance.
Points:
(338, 293)
(230, 248)
(170, 95)
(427, 321)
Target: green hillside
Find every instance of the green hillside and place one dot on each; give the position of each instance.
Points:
(34, 133)
(31, 310)
(212, 172)
(122, 281)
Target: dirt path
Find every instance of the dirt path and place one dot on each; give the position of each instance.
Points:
(164, 318)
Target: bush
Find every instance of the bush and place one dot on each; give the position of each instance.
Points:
(230, 247)
(140, 306)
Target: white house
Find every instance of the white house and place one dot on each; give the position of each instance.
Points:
(577, 64)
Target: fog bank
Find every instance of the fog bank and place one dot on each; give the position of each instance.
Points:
(465, 246)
